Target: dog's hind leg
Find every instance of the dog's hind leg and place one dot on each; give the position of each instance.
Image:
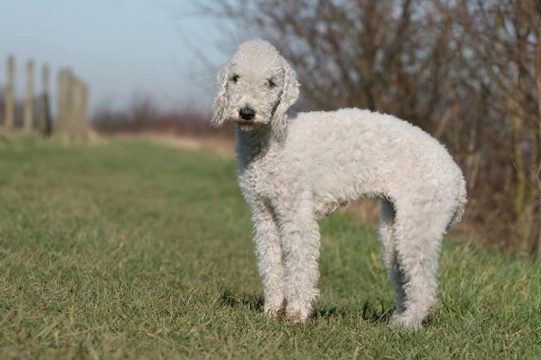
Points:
(418, 244)
(390, 257)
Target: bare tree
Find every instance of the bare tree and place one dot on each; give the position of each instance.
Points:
(500, 40)
(468, 71)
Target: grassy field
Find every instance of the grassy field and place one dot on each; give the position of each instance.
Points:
(127, 249)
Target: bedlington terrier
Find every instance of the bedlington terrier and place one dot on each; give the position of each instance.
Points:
(295, 168)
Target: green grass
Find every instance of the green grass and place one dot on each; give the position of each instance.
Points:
(131, 250)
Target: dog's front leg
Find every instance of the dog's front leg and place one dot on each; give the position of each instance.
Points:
(300, 244)
(270, 259)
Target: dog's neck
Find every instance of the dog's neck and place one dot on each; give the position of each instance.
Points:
(254, 144)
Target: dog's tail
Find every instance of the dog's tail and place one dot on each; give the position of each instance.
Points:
(461, 200)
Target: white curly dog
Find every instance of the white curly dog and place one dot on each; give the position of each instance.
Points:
(295, 168)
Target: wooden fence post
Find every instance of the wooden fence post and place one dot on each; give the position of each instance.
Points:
(72, 99)
(72, 106)
(9, 119)
(80, 103)
(63, 117)
(84, 110)
(28, 119)
(44, 113)
(69, 105)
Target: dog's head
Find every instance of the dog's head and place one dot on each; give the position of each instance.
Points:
(256, 88)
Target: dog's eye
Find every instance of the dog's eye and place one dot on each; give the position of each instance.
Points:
(235, 78)
(271, 84)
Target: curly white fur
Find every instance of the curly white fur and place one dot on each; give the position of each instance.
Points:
(294, 168)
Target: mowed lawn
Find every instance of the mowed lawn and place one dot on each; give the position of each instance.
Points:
(127, 249)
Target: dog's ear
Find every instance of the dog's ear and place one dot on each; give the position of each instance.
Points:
(288, 96)
(220, 103)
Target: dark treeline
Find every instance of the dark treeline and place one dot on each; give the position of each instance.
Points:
(143, 115)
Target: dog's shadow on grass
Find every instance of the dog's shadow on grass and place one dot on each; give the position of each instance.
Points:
(252, 302)
(376, 313)
(371, 312)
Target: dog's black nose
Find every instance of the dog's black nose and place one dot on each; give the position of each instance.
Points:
(247, 113)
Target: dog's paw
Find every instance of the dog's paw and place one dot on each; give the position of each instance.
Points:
(299, 314)
(275, 311)
(404, 320)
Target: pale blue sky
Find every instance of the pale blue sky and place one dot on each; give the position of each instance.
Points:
(119, 47)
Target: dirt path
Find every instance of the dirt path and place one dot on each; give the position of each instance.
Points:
(217, 145)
